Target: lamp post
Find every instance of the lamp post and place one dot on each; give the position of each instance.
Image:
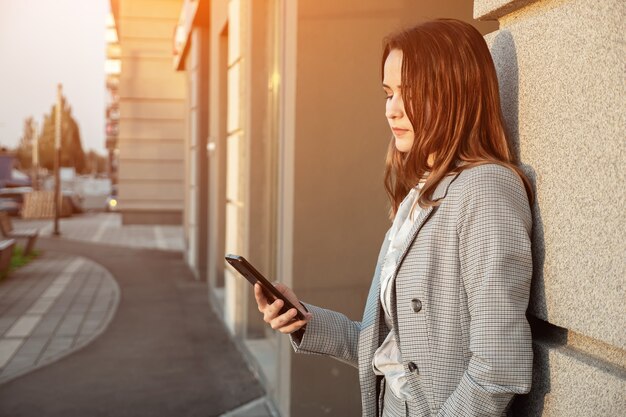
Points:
(35, 155)
(57, 157)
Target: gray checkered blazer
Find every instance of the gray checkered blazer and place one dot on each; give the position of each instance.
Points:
(461, 293)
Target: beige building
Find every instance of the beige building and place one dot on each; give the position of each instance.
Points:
(272, 133)
(152, 121)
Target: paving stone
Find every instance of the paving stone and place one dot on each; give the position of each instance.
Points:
(23, 326)
(107, 228)
(89, 290)
(61, 306)
(70, 325)
(8, 347)
(18, 364)
(99, 308)
(81, 340)
(47, 325)
(91, 323)
(97, 315)
(37, 290)
(18, 310)
(32, 348)
(41, 306)
(6, 323)
(34, 342)
(57, 345)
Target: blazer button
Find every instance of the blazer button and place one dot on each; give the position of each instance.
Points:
(412, 366)
(416, 304)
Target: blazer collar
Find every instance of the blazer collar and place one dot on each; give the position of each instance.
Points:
(442, 188)
(373, 309)
(439, 193)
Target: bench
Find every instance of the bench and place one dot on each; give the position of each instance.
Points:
(6, 252)
(30, 235)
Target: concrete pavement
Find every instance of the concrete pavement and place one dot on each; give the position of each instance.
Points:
(92, 329)
(107, 228)
(50, 308)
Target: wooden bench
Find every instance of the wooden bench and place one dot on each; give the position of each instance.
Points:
(6, 252)
(30, 235)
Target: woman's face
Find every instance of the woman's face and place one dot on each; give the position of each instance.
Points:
(394, 109)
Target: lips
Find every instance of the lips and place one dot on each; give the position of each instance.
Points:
(399, 131)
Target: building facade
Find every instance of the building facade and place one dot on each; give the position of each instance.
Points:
(284, 148)
(152, 122)
(561, 70)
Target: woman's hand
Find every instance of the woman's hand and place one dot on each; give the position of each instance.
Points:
(284, 323)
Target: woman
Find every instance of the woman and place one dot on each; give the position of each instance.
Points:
(444, 332)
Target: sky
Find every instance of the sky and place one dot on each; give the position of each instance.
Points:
(46, 42)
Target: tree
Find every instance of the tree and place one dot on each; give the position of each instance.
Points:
(24, 150)
(72, 154)
(95, 163)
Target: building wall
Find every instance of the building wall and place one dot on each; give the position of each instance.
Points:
(240, 143)
(561, 69)
(218, 105)
(152, 114)
(237, 179)
(196, 159)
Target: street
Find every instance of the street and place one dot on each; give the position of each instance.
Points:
(148, 344)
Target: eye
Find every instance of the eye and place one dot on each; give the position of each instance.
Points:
(388, 97)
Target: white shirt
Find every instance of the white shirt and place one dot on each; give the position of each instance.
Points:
(387, 359)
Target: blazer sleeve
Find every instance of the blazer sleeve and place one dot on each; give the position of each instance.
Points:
(494, 228)
(329, 333)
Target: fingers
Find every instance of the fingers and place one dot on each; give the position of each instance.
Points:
(288, 293)
(285, 322)
(296, 325)
(280, 321)
(272, 311)
(261, 300)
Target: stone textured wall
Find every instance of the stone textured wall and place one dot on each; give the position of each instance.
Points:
(561, 69)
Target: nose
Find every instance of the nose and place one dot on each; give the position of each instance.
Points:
(394, 108)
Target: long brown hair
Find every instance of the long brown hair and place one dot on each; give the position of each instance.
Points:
(447, 67)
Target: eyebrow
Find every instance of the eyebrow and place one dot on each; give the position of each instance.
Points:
(385, 85)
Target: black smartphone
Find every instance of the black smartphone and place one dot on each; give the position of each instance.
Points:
(250, 273)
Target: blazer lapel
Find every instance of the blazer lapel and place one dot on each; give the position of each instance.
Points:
(372, 331)
(372, 305)
(373, 327)
(439, 193)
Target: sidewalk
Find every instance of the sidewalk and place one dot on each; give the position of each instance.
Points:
(106, 228)
(93, 329)
(50, 308)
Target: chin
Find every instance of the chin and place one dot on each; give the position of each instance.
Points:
(403, 145)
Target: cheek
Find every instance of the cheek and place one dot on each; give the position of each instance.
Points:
(401, 106)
